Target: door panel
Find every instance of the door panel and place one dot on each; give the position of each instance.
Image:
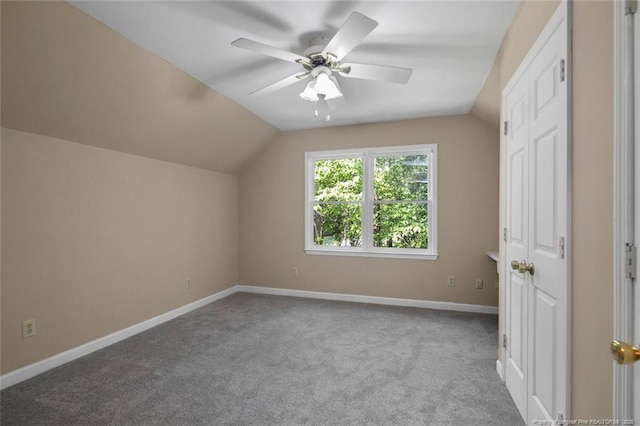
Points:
(536, 188)
(549, 186)
(518, 324)
(516, 361)
(543, 381)
(517, 190)
(517, 193)
(517, 114)
(546, 87)
(545, 229)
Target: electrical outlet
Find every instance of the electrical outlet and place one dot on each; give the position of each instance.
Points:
(187, 284)
(28, 328)
(294, 271)
(479, 284)
(451, 281)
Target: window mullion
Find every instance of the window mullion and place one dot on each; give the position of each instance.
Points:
(367, 202)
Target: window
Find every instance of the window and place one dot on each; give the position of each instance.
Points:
(372, 202)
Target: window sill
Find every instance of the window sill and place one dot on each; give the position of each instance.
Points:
(401, 255)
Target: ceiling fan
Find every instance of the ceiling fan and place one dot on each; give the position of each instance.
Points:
(324, 59)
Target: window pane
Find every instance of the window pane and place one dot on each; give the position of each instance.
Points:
(338, 180)
(402, 225)
(401, 177)
(337, 225)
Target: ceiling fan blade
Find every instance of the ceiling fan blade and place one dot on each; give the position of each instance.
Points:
(376, 72)
(254, 46)
(281, 84)
(356, 27)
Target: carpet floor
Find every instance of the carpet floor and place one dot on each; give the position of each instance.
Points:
(267, 360)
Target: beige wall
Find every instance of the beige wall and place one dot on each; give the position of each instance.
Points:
(272, 204)
(530, 20)
(487, 104)
(94, 241)
(592, 221)
(69, 76)
(592, 283)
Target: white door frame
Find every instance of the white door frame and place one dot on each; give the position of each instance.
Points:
(624, 199)
(564, 11)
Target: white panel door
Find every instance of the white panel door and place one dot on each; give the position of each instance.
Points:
(516, 221)
(536, 217)
(548, 180)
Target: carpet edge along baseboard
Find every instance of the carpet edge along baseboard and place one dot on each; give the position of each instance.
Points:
(31, 370)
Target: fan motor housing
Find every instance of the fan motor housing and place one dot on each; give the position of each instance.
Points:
(314, 52)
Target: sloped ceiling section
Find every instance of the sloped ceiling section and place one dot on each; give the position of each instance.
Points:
(450, 45)
(68, 76)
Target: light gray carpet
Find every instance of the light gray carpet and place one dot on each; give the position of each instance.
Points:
(266, 360)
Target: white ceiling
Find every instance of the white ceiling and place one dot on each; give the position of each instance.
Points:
(450, 45)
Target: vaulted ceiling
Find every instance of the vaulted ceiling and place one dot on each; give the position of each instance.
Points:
(450, 45)
(167, 84)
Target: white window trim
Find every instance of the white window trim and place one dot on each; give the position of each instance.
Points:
(367, 249)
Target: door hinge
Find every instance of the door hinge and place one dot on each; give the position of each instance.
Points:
(561, 248)
(630, 7)
(504, 341)
(506, 127)
(630, 261)
(562, 71)
(504, 234)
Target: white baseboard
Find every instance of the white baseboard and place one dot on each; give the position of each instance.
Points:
(499, 369)
(391, 301)
(39, 367)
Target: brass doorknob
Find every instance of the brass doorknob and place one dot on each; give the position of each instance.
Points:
(624, 353)
(527, 268)
(522, 267)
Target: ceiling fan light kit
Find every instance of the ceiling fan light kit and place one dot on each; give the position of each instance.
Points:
(322, 84)
(321, 61)
(322, 110)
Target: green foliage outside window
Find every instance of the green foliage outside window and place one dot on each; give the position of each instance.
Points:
(400, 208)
(337, 222)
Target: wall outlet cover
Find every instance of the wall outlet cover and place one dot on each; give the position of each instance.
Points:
(28, 328)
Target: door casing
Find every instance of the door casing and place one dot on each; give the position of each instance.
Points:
(563, 12)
